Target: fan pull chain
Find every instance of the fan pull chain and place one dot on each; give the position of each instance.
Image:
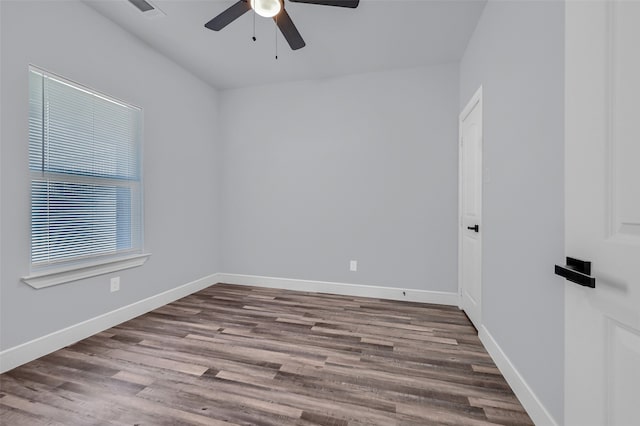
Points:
(254, 26)
(276, 28)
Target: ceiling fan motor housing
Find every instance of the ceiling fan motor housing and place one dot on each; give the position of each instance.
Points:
(267, 8)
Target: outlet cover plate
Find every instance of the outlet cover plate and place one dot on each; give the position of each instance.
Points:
(115, 284)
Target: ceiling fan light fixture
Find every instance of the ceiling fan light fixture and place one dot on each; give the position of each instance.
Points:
(267, 8)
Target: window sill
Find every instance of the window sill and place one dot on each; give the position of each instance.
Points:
(61, 276)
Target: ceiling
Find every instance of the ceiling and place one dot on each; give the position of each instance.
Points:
(378, 35)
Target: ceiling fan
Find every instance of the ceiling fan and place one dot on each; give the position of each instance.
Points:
(273, 9)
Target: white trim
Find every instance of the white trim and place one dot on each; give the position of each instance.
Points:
(78, 272)
(476, 99)
(83, 87)
(390, 293)
(523, 391)
(29, 351)
(21, 354)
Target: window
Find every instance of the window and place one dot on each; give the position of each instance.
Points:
(86, 182)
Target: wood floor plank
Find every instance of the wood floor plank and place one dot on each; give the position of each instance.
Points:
(12, 416)
(257, 356)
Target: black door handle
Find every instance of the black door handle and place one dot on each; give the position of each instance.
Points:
(577, 271)
(474, 228)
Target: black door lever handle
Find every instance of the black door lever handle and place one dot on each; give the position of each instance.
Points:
(577, 271)
(474, 228)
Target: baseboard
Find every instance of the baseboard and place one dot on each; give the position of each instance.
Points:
(26, 352)
(390, 293)
(525, 394)
(29, 351)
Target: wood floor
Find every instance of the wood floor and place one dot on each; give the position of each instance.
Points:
(254, 356)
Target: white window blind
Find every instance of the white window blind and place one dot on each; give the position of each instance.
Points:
(86, 184)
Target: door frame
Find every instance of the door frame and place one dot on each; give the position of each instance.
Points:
(476, 99)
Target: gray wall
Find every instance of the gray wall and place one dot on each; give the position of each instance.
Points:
(517, 54)
(314, 174)
(180, 159)
(361, 167)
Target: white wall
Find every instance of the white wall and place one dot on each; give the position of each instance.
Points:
(180, 162)
(517, 54)
(361, 167)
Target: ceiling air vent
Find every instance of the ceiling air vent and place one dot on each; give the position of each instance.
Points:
(147, 8)
(143, 5)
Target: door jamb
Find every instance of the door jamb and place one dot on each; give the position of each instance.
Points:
(475, 100)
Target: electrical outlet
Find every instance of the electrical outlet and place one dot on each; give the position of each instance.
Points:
(353, 265)
(115, 284)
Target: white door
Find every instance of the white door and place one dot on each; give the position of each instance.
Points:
(470, 233)
(602, 208)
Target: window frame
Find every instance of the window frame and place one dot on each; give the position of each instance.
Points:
(81, 267)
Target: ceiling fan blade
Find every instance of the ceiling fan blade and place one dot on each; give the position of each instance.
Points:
(228, 16)
(289, 30)
(341, 3)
